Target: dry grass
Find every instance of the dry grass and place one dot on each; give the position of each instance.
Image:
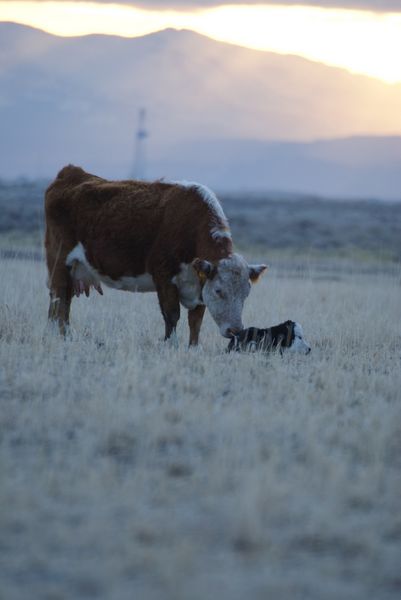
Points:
(131, 469)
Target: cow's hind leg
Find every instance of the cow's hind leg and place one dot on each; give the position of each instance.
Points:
(170, 307)
(195, 317)
(61, 292)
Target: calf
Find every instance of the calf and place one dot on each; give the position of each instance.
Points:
(169, 238)
(287, 336)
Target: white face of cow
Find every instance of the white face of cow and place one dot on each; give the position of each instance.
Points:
(226, 285)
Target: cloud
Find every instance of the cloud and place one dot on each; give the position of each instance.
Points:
(375, 5)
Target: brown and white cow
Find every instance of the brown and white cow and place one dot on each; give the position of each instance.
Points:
(169, 238)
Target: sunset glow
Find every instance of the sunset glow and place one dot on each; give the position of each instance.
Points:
(360, 41)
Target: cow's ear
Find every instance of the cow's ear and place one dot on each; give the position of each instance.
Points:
(204, 269)
(255, 271)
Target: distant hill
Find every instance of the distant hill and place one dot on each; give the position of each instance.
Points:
(368, 167)
(76, 100)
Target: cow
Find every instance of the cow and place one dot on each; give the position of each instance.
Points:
(165, 237)
(285, 337)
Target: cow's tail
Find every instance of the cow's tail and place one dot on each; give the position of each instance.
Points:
(66, 179)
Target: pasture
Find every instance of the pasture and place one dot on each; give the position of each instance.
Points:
(134, 469)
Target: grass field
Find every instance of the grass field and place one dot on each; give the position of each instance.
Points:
(133, 469)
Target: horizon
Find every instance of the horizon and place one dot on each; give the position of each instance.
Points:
(310, 32)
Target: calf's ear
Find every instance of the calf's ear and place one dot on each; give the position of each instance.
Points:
(204, 269)
(255, 271)
(290, 329)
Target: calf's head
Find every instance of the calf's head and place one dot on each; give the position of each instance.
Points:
(226, 284)
(295, 341)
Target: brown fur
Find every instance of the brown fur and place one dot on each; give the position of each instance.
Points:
(127, 228)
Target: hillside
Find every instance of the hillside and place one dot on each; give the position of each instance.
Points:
(356, 167)
(76, 99)
(214, 111)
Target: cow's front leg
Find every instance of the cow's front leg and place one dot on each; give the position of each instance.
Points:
(170, 306)
(195, 317)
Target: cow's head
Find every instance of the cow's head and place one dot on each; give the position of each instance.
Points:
(226, 284)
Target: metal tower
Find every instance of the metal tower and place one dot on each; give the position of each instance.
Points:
(139, 170)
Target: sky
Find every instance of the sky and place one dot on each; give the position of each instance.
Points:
(362, 36)
(375, 5)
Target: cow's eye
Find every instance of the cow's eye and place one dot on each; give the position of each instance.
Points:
(219, 293)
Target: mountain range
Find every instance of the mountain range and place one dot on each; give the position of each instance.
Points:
(232, 117)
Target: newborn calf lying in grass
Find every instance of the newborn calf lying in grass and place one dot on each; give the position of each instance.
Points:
(287, 336)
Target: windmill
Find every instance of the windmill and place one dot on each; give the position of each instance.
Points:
(139, 170)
